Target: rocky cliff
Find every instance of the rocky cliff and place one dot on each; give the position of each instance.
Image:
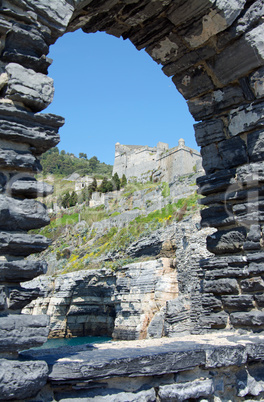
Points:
(151, 298)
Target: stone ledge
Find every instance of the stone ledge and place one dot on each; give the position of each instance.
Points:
(149, 357)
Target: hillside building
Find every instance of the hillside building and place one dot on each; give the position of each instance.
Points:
(159, 163)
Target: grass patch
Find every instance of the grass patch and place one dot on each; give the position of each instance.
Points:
(165, 189)
(132, 187)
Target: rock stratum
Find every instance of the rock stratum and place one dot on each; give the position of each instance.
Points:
(213, 50)
(150, 298)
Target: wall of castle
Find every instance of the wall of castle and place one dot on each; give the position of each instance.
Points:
(134, 162)
(178, 161)
(141, 162)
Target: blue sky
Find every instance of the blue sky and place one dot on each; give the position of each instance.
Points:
(110, 92)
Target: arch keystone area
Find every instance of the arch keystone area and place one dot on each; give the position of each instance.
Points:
(214, 52)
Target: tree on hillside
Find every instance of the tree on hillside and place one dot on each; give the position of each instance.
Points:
(103, 188)
(110, 185)
(65, 202)
(69, 200)
(62, 163)
(93, 186)
(116, 182)
(73, 199)
(123, 181)
(82, 155)
(93, 163)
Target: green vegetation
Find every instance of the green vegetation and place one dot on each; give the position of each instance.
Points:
(69, 200)
(165, 189)
(64, 164)
(83, 246)
(110, 185)
(123, 181)
(88, 248)
(131, 187)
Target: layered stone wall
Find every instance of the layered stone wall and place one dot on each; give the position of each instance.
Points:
(214, 52)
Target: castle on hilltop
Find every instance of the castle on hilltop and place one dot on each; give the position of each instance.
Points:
(159, 163)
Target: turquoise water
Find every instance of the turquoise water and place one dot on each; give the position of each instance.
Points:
(81, 340)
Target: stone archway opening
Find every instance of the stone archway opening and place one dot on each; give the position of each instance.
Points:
(202, 45)
(111, 90)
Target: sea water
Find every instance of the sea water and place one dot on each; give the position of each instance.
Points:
(79, 340)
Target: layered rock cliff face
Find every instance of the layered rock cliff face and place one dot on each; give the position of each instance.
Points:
(151, 298)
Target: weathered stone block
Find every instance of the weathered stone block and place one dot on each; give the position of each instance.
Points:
(24, 215)
(252, 318)
(251, 18)
(191, 389)
(250, 175)
(187, 60)
(211, 159)
(167, 50)
(238, 303)
(225, 155)
(221, 286)
(257, 82)
(213, 320)
(209, 132)
(228, 68)
(216, 20)
(250, 382)
(56, 14)
(20, 244)
(216, 182)
(246, 119)
(255, 144)
(156, 326)
(249, 213)
(26, 47)
(19, 297)
(217, 101)
(222, 262)
(193, 82)
(255, 284)
(34, 90)
(21, 380)
(111, 395)
(151, 32)
(30, 188)
(254, 233)
(217, 216)
(21, 270)
(2, 298)
(180, 14)
(38, 130)
(259, 299)
(229, 272)
(225, 355)
(256, 268)
(177, 316)
(210, 302)
(18, 332)
(251, 245)
(226, 241)
(19, 160)
(128, 360)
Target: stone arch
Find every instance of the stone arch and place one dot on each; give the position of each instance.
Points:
(214, 52)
